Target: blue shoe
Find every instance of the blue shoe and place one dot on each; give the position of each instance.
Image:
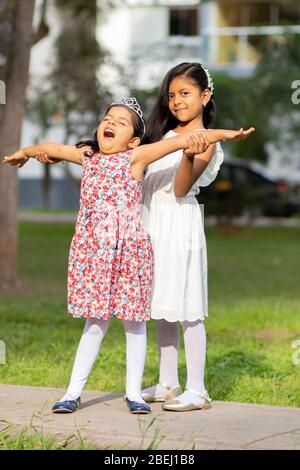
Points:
(137, 408)
(68, 406)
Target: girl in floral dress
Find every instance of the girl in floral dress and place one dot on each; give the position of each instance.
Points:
(110, 263)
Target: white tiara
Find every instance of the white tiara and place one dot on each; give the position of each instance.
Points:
(210, 83)
(133, 104)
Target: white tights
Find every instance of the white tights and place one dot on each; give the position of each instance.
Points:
(195, 352)
(88, 349)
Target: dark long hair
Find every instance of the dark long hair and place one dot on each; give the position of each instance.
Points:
(161, 120)
(138, 130)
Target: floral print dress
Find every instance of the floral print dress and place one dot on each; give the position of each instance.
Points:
(110, 264)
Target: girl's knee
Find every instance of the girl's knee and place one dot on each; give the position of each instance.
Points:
(135, 327)
(191, 324)
(94, 326)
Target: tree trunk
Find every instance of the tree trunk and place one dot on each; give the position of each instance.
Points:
(10, 134)
(46, 185)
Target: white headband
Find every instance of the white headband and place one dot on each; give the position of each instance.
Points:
(210, 83)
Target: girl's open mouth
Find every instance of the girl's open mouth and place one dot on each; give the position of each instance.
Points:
(109, 133)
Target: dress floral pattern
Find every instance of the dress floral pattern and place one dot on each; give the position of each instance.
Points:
(110, 264)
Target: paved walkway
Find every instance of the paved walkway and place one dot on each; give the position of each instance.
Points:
(104, 420)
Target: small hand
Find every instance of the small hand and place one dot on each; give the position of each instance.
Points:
(17, 158)
(197, 144)
(237, 136)
(43, 158)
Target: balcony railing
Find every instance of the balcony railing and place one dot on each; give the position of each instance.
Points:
(219, 48)
(173, 47)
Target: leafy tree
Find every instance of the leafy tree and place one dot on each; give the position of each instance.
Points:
(72, 93)
(73, 89)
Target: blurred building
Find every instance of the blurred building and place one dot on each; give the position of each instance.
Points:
(235, 30)
(224, 34)
(147, 37)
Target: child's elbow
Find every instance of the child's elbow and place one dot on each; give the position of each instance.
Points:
(180, 193)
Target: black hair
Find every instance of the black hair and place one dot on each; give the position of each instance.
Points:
(90, 143)
(161, 120)
(138, 129)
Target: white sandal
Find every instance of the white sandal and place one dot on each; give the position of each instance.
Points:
(170, 394)
(177, 405)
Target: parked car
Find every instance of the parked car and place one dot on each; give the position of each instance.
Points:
(247, 186)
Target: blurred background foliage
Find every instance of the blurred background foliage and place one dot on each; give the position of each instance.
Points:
(262, 100)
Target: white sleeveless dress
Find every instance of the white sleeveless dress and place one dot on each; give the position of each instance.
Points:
(177, 234)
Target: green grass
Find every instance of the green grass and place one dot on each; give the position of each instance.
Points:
(31, 438)
(253, 318)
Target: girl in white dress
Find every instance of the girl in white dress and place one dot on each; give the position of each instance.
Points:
(174, 220)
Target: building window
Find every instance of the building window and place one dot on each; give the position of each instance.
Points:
(231, 14)
(183, 22)
(259, 14)
(246, 13)
(264, 13)
(289, 13)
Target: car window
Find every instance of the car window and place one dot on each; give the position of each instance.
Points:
(224, 172)
(258, 179)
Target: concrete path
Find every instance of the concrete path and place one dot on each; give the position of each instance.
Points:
(104, 420)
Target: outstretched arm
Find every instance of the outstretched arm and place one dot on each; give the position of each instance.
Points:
(194, 161)
(52, 149)
(227, 135)
(149, 153)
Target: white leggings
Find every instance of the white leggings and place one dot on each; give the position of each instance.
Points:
(195, 352)
(88, 349)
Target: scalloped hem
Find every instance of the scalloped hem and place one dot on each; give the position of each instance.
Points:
(171, 318)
